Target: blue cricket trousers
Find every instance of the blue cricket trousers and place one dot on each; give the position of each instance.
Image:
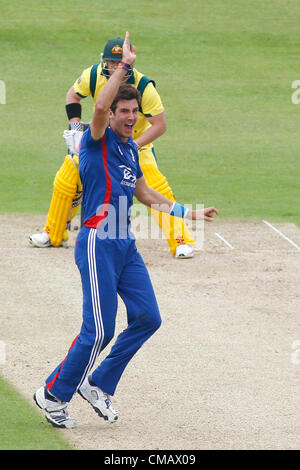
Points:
(108, 267)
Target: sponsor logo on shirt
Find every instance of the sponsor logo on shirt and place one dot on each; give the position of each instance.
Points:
(129, 179)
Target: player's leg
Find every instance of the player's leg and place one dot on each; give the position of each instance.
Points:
(174, 228)
(135, 289)
(99, 312)
(112, 258)
(65, 203)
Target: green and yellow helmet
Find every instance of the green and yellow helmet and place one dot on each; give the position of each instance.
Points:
(113, 51)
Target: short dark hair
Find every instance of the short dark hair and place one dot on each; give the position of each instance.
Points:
(126, 92)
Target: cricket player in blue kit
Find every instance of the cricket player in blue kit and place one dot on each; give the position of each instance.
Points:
(107, 257)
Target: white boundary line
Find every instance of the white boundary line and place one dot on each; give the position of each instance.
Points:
(223, 240)
(281, 234)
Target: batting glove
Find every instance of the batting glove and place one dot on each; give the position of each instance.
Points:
(72, 140)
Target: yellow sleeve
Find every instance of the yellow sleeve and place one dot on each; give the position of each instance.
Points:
(151, 102)
(82, 84)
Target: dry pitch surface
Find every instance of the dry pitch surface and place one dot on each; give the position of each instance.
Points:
(223, 371)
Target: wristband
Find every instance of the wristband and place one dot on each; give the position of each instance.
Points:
(122, 65)
(177, 210)
(76, 126)
(73, 110)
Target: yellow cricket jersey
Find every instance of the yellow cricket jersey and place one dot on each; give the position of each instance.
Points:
(92, 80)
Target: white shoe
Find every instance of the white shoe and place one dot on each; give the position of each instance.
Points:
(42, 240)
(55, 410)
(184, 251)
(99, 400)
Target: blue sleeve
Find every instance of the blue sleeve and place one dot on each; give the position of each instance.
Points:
(88, 140)
(139, 172)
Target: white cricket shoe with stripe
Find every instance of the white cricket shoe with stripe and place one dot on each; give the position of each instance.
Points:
(184, 251)
(42, 240)
(55, 410)
(99, 400)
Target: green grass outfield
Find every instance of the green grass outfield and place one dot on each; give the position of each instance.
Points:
(23, 427)
(224, 70)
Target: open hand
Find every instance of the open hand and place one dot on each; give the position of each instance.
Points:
(129, 54)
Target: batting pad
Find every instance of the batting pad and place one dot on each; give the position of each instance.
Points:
(174, 228)
(63, 207)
